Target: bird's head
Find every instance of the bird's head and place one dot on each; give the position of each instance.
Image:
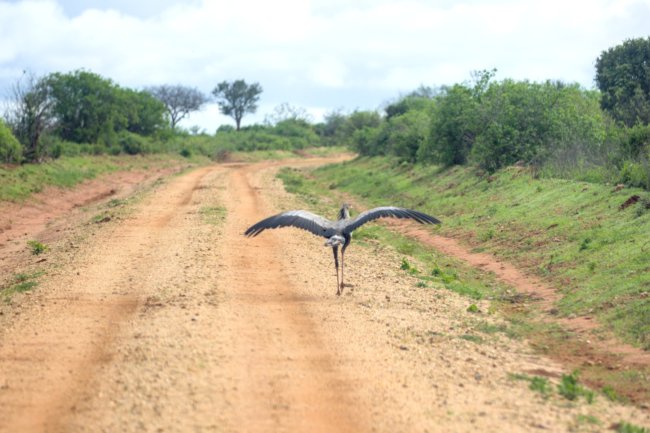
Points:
(334, 241)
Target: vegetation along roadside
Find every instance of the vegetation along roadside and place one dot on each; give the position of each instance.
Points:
(573, 235)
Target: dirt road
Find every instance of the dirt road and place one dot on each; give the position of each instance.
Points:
(171, 321)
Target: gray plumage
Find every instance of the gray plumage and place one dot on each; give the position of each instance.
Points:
(337, 232)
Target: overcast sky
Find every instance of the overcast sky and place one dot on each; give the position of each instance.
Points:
(321, 55)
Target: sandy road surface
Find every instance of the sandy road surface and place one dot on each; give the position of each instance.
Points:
(171, 320)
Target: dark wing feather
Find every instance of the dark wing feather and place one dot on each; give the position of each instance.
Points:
(388, 212)
(294, 218)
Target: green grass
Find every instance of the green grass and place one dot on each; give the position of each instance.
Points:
(20, 283)
(626, 427)
(535, 383)
(570, 389)
(37, 247)
(17, 183)
(570, 233)
(213, 214)
(538, 250)
(324, 151)
(541, 385)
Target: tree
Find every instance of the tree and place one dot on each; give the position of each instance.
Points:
(179, 100)
(30, 115)
(145, 114)
(623, 77)
(86, 106)
(406, 133)
(453, 127)
(237, 98)
(93, 109)
(286, 111)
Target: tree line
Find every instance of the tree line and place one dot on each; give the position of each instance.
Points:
(555, 127)
(85, 108)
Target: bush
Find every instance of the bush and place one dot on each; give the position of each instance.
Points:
(636, 174)
(133, 144)
(10, 148)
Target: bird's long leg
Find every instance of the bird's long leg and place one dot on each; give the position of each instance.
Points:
(343, 264)
(336, 265)
(342, 267)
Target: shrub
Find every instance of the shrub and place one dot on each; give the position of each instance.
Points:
(10, 148)
(133, 144)
(636, 174)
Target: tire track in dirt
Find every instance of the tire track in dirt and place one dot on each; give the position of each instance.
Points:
(544, 295)
(175, 324)
(286, 378)
(49, 356)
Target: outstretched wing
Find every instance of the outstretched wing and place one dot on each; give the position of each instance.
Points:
(294, 218)
(388, 212)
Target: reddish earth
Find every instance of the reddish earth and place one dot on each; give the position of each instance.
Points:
(167, 319)
(544, 295)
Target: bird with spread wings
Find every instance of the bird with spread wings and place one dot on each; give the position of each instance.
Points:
(339, 232)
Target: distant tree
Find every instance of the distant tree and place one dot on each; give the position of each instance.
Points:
(86, 106)
(419, 99)
(145, 114)
(453, 128)
(286, 111)
(93, 109)
(179, 100)
(406, 133)
(623, 77)
(361, 129)
(30, 115)
(332, 130)
(237, 98)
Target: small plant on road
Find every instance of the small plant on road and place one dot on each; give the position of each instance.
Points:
(541, 385)
(626, 427)
(37, 247)
(20, 283)
(570, 389)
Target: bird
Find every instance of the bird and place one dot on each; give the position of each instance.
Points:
(339, 232)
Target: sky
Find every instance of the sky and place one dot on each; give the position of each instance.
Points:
(319, 55)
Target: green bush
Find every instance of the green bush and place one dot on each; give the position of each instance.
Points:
(636, 174)
(134, 144)
(10, 148)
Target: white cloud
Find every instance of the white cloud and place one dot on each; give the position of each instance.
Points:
(309, 52)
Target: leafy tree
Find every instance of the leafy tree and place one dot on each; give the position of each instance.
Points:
(30, 115)
(331, 130)
(407, 103)
(237, 98)
(406, 133)
(362, 131)
(179, 100)
(144, 113)
(10, 148)
(419, 99)
(623, 77)
(515, 117)
(454, 127)
(86, 106)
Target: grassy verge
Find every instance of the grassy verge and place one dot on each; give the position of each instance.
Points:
(470, 206)
(573, 234)
(264, 155)
(19, 283)
(18, 183)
